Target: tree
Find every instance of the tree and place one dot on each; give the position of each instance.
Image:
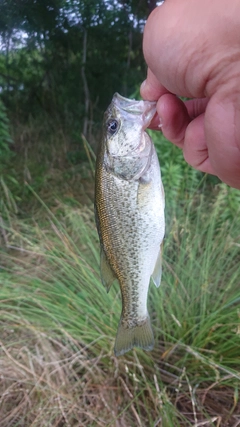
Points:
(68, 57)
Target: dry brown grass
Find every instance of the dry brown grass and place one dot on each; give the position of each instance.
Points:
(48, 382)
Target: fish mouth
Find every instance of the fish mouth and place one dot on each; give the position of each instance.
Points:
(146, 109)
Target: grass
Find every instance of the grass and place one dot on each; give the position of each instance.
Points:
(58, 324)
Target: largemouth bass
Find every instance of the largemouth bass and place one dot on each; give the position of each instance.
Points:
(129, 208)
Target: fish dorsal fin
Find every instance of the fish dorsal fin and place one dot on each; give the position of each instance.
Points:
(107, 274)
(157, 272)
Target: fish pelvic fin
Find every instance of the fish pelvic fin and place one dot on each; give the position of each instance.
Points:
(138, 336)
(107, 274)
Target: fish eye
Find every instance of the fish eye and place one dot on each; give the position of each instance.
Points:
(112, 126)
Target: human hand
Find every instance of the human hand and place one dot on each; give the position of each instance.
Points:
(193, 50)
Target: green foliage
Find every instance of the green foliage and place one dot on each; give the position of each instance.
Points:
(5, 137)
(67, 58)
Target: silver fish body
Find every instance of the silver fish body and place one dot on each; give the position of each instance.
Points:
(129, 208)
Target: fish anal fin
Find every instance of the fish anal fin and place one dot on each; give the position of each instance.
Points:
(139, 336)
(107, 274)
(157, 272)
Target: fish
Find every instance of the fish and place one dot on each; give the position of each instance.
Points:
(129, 211)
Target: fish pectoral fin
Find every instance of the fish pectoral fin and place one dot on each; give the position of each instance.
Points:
(157, 272)
(107, 274)
(139, 336)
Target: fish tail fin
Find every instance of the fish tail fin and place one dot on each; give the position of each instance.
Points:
(139, 336)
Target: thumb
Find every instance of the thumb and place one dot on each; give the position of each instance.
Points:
(151, 89)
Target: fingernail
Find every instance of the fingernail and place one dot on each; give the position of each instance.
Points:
(160, 124)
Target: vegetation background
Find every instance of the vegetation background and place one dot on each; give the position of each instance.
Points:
(60, 63)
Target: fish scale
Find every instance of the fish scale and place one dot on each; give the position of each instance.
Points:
(130, 217)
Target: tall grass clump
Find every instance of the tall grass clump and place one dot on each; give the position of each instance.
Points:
(58, 325)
